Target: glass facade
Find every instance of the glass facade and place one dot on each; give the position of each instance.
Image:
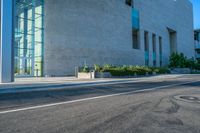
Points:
(29, 37)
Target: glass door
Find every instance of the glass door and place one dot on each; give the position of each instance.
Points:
(24, 67)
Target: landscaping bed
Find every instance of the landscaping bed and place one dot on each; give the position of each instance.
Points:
(110, 71)
(178, 64)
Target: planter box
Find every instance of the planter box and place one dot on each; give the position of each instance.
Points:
(181, 71)
(196, 71)
(103, 75)
(82, 75)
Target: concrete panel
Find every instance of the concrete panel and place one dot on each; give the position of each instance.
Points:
(158, 15)
(99, 31)
(92, 31)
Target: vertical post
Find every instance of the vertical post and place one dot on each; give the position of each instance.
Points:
(42, 47)
(6, 41)
(25, 44)
(33, 38)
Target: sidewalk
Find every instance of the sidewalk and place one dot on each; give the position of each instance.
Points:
(52, 83)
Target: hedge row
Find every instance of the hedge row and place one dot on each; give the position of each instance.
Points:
(130, 70)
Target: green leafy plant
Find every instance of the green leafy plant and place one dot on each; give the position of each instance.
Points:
(85, 69)
(130, 70)
(97, 67)
(177, 60)
(180, 61)
(197, 66)
(107, 66)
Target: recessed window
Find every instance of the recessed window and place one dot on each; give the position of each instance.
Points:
(135, 38)
(129, 2)
(154, 49)
(146, 47)
(196, 36)
(172, 40)
(160, 50)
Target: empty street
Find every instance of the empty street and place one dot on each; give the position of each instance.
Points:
(161, 106)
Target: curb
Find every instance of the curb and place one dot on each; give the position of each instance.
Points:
(34, 88)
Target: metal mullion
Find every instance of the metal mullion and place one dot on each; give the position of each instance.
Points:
(24, 18)
(38, 17)
(24, 3)
(28, 6)
(38, 42)
(38, 28)
(24, 48)
(33, 37)
(42, 54)
(39, 14)
(23, 33)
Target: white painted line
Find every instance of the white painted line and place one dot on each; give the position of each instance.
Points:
(92, 98)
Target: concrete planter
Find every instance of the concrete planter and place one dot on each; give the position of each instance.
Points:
(89, 75)
(180, 71)
(103, 75)
(197, 71)
(154, 73)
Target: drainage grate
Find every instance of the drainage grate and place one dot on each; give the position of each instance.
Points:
(188, 98)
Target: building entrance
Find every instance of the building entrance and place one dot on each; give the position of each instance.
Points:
(29, 37)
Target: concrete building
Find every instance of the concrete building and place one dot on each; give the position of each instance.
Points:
(197, 44)
(52, 37)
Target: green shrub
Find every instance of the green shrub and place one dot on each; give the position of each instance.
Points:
(197, 66)
(97, 67)
(130, 70)
(107, 66)
(178, 60)
(84, 69)
(157, 70)
(163, 70)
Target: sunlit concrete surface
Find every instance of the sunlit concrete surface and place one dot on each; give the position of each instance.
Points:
(100, 32)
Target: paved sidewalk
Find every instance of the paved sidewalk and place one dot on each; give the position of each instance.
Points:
(42, 84)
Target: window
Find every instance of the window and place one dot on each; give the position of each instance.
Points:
(160, 50)
(196, 36)
(135, 38)
(146, 47)
(154, 49)
(172, 40)
(129, 2)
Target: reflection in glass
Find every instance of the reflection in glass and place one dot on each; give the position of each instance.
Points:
(29, 37)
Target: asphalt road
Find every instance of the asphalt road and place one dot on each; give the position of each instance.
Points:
(159, 106)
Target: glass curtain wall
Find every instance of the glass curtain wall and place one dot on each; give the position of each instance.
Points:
(29, 37)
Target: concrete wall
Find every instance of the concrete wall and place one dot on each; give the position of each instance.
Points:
(99, 31)
(95, 31)
(158, 15)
